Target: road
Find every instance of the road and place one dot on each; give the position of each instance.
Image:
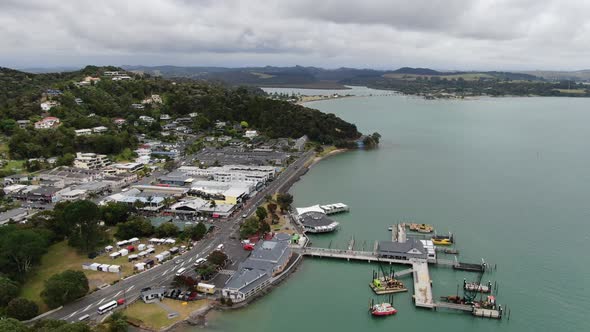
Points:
(164, 273)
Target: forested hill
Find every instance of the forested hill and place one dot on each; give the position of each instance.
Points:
(99, 103)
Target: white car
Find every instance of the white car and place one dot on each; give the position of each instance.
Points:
(220, 247)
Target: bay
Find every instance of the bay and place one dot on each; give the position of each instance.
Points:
(510, 177)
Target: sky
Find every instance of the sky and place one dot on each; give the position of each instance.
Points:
(380, 34)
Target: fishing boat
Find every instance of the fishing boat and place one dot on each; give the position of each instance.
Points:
(390, 228)
(382, 309)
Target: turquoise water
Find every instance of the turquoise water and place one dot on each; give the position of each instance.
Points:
(509, 177)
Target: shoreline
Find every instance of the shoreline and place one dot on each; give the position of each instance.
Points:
(200, 317)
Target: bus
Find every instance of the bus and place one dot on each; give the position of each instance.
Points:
(107, 307)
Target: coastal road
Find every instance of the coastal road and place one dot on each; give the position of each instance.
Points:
(163, 274)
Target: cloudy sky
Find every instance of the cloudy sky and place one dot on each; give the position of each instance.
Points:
(445, 34)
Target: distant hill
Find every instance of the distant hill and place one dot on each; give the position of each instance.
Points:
(577, 75)
(314, 77)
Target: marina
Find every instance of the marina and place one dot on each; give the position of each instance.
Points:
(419, 254)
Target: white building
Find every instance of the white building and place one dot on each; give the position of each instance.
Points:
(83, 132)
(251, 134)
(100, 129)
(164, 117)
(146, 119)
(48, 105)
(91, 160)
(124, 168)
(233, 173)
(193, 115)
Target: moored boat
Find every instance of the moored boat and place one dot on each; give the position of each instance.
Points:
(382, 309)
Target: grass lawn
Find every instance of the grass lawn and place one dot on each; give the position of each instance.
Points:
(61, 257)
(571, 91)
(154, 317)
(14, 166)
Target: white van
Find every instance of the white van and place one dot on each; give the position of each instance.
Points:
(85, 317)
(220, 247)
(199, 261)
(180, 271)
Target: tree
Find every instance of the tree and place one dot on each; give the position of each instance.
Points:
(20, 249)
(22, 309)
(85, 231)
(8, 291)
(261, 213)
(12, 325)
(249, 227)
(264, 227)
(136, 227)
(170, 165)
(64, 287)
(195, 233)
(217, 258)
(206, 270)
(272, 208)
(113, 213)
(117, 322)
(167, 229)
(244, 124)
(284, 201)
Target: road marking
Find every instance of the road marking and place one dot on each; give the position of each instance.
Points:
(88, 307)
(118, 293)
(72, 314)
(130, 288)
(99, 302)
(181, 264)
(163, 274)
(190, 260)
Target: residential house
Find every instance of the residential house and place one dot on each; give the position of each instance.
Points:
(48, 105)
(23, 123)
(47, 123)
(100, 129)
(83, 132)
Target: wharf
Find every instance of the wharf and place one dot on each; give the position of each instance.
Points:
(422, 284)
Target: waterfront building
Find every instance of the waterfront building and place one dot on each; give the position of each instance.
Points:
(317, 222)
(267, 261)
(411, 248)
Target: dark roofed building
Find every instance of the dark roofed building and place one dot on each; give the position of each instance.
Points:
(268, 260)
(317, 222)
(402, 250)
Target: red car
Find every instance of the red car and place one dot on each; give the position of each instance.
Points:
(248, 246)
(120, 301)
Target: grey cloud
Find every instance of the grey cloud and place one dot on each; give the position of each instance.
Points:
(460, 34)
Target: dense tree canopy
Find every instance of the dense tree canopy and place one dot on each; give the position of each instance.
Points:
(21, 249)
(85, 231)
(22, 309)
(8, 290)
(107, 99)
(64, 287)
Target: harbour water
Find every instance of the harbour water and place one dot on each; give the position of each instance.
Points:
(510, 177)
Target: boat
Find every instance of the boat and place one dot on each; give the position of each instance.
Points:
(390, 228)
(420, 228)
(442, 240)
(382, 309)
(477, 287)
